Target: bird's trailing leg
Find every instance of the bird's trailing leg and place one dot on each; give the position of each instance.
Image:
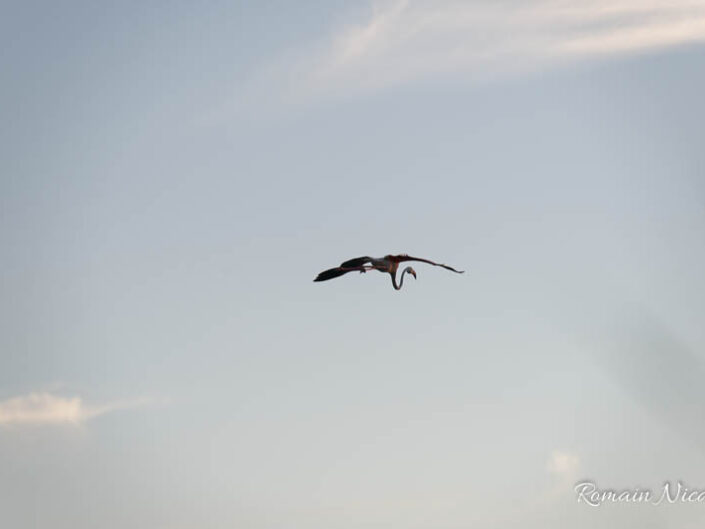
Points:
(362, 269)
(340, 270)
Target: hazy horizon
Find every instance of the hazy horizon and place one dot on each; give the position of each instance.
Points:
(174, 176)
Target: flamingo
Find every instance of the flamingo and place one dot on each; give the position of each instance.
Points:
(388, 264)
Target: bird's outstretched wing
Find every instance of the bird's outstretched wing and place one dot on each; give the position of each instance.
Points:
(403, 257)
(358, 261)
(338, 271)
(353, 265)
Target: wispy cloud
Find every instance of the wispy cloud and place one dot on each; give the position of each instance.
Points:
(403, 40)
(564, 468)
(46, 408)
(563, 465)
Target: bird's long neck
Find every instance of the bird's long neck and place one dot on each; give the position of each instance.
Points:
(401, 279)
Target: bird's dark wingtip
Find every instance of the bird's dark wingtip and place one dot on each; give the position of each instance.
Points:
(330, 274)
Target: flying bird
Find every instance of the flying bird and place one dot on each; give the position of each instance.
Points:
(387, 264)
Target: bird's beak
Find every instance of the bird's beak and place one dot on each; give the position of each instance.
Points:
(413, 273)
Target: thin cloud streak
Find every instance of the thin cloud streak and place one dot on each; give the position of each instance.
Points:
(564, 465)
(46, 409)
(406, 40)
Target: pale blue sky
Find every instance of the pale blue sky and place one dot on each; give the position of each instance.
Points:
(174, 176)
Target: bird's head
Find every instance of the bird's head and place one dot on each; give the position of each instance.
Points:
(410, 271)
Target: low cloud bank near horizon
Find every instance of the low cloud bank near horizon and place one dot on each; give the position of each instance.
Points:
(43, 408)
